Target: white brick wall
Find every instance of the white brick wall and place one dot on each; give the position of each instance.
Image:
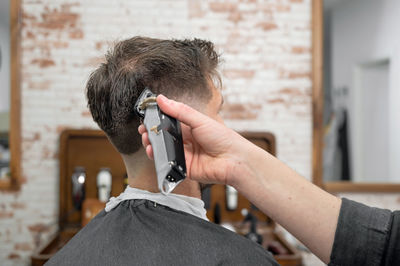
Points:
(265, 44)
(267, 50)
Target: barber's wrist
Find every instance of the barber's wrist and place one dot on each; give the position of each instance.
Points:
(256, 171)
(245, 158)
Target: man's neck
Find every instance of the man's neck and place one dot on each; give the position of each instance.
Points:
(144, 179)
(143, 176)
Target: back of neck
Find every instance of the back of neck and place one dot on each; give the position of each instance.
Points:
(142, 175)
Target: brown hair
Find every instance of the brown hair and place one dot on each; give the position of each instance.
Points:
(179, 69)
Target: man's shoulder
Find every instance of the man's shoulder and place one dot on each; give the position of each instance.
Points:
(139, 231)
(237, 248)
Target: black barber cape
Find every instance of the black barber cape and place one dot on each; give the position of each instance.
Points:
(140, 232)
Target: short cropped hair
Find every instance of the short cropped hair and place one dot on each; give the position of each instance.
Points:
(179, 69)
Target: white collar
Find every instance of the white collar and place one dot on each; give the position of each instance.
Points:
(183, 203)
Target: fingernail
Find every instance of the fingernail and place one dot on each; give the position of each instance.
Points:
(163, 98)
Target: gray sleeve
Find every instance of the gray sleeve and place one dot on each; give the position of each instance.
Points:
(361, 236)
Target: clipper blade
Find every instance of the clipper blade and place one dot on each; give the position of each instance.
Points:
(166, 140)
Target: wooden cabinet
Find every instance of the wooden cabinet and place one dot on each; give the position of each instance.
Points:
(92, 150)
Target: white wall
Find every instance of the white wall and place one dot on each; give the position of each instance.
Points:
(374, 118)
(365, 31)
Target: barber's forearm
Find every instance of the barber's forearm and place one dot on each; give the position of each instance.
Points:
(305, 210)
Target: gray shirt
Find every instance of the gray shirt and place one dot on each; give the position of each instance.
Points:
(178, 202)
(366, 236)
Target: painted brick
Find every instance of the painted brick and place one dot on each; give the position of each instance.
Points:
(266, 74)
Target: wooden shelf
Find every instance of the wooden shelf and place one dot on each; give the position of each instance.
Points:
(5, 184)
(335, 187)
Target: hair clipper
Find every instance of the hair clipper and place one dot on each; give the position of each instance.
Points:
(165, 136)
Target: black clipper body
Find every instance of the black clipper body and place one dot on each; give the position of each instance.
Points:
(165, 136)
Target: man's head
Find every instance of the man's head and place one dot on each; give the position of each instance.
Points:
(182, 70)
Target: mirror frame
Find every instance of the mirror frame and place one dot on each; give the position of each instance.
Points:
(317, 21)
(14, 183)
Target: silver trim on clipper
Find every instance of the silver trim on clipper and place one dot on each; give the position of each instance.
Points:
(169, 174)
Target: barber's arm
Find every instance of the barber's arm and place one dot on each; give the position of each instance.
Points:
(217, 154)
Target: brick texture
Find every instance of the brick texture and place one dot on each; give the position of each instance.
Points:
(266, 46)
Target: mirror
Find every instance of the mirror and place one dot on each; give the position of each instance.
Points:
(356, 58)
(4, 89)
(10, 112)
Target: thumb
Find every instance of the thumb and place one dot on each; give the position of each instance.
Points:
(181, 112)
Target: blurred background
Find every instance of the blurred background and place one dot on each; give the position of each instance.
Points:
(271, 50)
(361, 91)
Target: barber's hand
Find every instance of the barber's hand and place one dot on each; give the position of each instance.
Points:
(212, 150)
